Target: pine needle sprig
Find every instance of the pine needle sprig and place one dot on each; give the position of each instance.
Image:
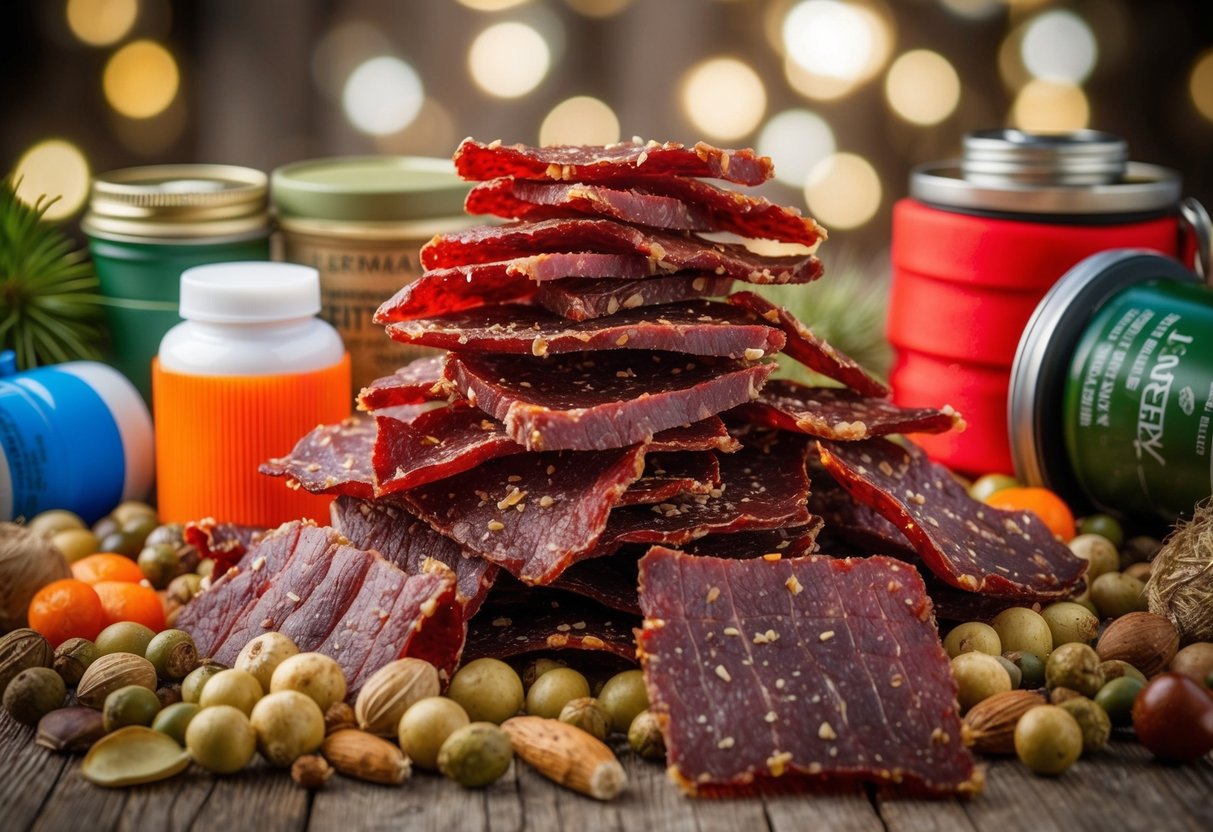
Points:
(50, 310)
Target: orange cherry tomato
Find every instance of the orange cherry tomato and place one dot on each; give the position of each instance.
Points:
(106, 566)
(125, 601)
(66, 609)
(1042, 502)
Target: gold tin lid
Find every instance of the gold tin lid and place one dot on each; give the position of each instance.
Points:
(182, 202)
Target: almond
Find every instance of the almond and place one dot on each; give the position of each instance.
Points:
(567, 755)
(366, 757)
(1144, 640)
(991, 722)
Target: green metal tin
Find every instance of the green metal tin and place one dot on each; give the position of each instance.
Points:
(1112, 387)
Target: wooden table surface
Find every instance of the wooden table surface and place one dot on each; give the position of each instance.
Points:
(1117, 790)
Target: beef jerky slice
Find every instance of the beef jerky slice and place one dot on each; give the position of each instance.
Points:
(810, 350)
(672, 475)
(533, 514)
(595, 401)
(857, 527)
(839, 413)
(670, 203)
(439, 291)
(476, 160)
(790, 542)
(408, 541)
(584, 299)
(417, 382)
(435, 445)
(695, 327)
(223, 543)
(306, 582)
(798, 671)
(708, 434)
(968, 544)
(669, 252)
(331, 459)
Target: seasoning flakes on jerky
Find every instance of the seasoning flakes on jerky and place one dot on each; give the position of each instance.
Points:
(582, 299)
(417, 382)
(839, 413)
(331, 459)
(968, 544)
(595, 401)
(478, 160)
(668, 476)
(670, 252)
(799, 671)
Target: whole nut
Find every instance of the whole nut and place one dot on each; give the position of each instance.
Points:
(73, 657)
(588, 714)
(389, 693)
(34, 693)
(1143, 639)
(113, 671)
(338, 717)
(20, 650)
(364, 756)
(311, 771)
(990, 724)
(73, 730)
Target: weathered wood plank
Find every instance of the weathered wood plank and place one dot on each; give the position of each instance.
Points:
(30, 777)
(653, 801)
(426, 801)
(849, 812)
(260, 796)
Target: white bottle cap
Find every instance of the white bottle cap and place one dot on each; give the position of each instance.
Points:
(249, 292)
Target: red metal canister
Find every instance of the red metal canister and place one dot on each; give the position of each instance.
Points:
(979, 242)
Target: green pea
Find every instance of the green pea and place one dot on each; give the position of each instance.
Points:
(1104, 525)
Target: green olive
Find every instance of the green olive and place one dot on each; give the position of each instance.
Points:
(536, 668)
(1020, 628)
(170, 533)
(624, 695)
(195, 681)
(488, 690)
(1070, 622)
(1075, 666)
(160, 564)
(555, 689)
(1103, 525)
(130, 705)
(1048, 739)
(173, 654)
(55, 520)
(237, 688)
(1115, 594)
(1012, 670)
(174, 719)
(1031, 668)
(978, 676)
(1099, 553)
(138, 528)
(132, 510)
(106, 526)
(476, 754)
(221, 739)
(76, 543)
(121, 543)
(124, 637)
(1116, 697)
(1115, 668)
(426, 725)
(1092, 720)
(970, 636)
(989, 484)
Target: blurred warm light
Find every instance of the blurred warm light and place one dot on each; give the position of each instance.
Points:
(599, 8)
(342, 49)
(1046, 107)
(811, 85)
(382, 96)
(580, 120)
(101, 22)
(922, 87)
(724, 98)
(973, 9)
(1200, 83)
(141, 79)
(1024, 5)
(509, 60)
(150, 137)
(1010, 61)
(796, 140)
(53, 168)
(432, 133)
(491, 5)
(843, 191)
(828, 37)
(1059, 46)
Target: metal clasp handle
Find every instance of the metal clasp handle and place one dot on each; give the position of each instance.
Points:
(1196, 223)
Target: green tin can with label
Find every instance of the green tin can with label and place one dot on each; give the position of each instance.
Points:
(1111, 399)
(147, 225)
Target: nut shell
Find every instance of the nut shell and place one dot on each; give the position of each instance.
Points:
(1142, 639)
(113, 671)
(391, 691)
(366, 757)
(20, 650)
(990, 724)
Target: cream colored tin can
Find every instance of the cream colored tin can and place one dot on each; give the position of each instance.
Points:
(361, 221)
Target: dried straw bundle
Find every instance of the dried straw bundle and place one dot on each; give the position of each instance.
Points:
(1181, 578)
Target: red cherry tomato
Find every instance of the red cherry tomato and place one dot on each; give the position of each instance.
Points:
(1173, 718)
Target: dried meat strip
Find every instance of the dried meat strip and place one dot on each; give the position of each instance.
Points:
(708, 434)
(437, 444)
(668, 476)
(308, 583)
(417, 382)
(331, 459)
(670, 203)
(477, 160)
(223, 543)
(669, 252)
(696, 328)
(789, 542)
(810, 350)
(763, 486)
(408, 541)
(582, 299)
(970, 545)
(857, 527)
(533, 514)
(465, 287)
(798, 672)
(595, 401)
(839, 413)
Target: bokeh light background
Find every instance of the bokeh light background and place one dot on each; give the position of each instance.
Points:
(845, 95)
